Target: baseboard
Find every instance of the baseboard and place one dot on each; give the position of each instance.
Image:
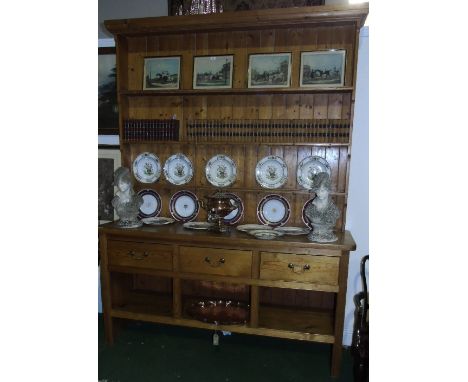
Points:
(347, 337)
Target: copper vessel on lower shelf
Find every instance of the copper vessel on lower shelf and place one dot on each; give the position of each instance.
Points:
(221, 312)
(218, 205)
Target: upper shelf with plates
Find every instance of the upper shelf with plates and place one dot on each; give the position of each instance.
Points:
(248, 109)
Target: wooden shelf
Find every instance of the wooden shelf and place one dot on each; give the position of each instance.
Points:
(185, 142)
(318, 322)
(238, 91)
(145, 302)
(316, 326)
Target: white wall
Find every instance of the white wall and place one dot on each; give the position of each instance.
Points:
(125, 9)
(357, 217)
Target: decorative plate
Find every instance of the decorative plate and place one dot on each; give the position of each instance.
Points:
(235, 215)
(146, 168)
(305, 219)
(308, 168)
(198, 225)
(249, 227)
(273, 210)
(184, 206)
(265, 234)
(157, 221)
(221, 171)
(151, 204)
(293, 230)
(271, 172)
(178, 169)
(223, 312)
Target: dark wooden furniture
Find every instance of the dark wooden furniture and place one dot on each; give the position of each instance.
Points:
(289, 302)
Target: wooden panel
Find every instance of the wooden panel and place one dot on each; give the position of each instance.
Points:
(293, 267)
(136, 53)
(214, 261)
(140, 255)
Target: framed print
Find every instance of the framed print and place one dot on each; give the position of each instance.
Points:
(108, 161)
(322, 68)
(161, 73)
(212, 72)
(269, 70)
(108, 112)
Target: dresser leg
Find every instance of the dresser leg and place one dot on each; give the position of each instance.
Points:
(339, 314)
(336, 359)
(108, 329)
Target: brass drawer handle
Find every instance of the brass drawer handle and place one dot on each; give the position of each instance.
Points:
(215, 265)
(137, 256)
(297, 268)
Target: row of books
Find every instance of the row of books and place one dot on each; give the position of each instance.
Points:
(142, 130)
(270, 131)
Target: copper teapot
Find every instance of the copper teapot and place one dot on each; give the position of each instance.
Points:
(218, 205)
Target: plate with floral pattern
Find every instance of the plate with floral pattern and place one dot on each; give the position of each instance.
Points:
(273, 210)
(146, 168)
(184, 206)
(157, 220)
(308, 168)
(271, 172)
(221, 171)
(151, 204)
(178, 169)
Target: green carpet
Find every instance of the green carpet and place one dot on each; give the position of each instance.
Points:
(161, 353)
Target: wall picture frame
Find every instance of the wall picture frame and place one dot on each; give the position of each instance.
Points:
(161, 73)
(109, 160)
(323, 68)
(269, 70)
(213, 72)
(108, 111)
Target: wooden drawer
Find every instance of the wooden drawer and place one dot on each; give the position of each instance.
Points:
(141, 255)
(305, 268)
(213, 261)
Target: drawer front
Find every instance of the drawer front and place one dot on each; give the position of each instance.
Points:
(304, 268)
(141, 255)
(213, 261)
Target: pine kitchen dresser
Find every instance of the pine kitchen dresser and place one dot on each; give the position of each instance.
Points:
(296, 289)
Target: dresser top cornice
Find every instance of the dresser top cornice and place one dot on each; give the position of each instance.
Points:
(255, 19)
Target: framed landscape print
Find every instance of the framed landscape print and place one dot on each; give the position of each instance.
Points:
(212, 72)
(109, 160)
(269, 70)
(108, 112)
(161, 73)
(322, 68)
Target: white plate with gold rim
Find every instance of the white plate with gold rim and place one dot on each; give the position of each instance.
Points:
(293, 230)
(271, 172)
(265, 234)
(198, 225)
(250, 227)
(178, 169)
(146, 168)
(221, 171)
(159, 220)
(273, 210)
(308, 168)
